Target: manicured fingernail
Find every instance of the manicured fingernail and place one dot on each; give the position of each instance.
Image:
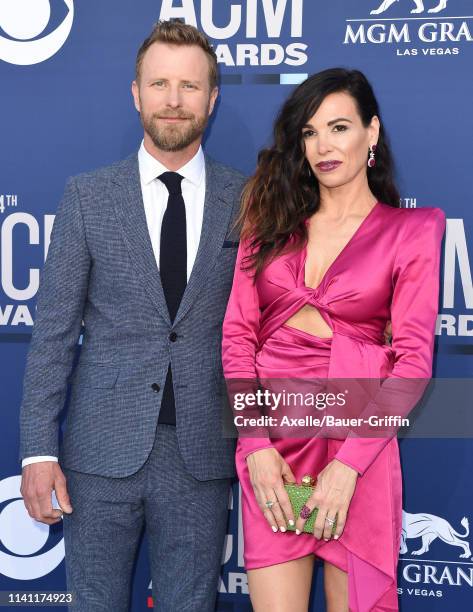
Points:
(326, 539)
(275, 529)
(291, 522)
(298, 532)
(283, 529)
(335, 537)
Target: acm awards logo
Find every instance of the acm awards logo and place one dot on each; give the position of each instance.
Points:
(23, 21)
(420, 26)
(252, 21)
(233, 578)
(21, 233)
(426, 578)
(26, 551)
(457, 292)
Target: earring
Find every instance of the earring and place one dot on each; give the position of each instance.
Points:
(372, 159)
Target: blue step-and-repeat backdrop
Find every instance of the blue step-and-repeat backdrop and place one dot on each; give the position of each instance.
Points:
(65, 107)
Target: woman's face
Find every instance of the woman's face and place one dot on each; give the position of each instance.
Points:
(336, 141)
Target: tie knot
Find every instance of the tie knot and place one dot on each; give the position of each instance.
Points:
(172, 180)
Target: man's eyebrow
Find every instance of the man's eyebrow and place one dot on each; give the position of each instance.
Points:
(193, 81)
(156, 78)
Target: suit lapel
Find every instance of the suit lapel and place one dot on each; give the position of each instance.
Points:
(129, 208)
(217, 211)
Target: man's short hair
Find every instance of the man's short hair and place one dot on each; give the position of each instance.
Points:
(176, 32)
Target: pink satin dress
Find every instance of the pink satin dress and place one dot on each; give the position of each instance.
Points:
(389, 270)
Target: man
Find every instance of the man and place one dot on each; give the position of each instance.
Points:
(143, 253)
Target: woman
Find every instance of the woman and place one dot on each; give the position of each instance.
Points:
(326, 259)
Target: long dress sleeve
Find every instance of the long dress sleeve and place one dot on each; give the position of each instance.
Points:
(414, 310)
(240, 343)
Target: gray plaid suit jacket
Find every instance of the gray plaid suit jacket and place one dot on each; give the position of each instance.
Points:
(101, 270)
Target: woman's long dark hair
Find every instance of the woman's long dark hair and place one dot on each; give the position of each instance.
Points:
(284, 192)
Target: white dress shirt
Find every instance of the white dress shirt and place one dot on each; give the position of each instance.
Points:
(155, 198)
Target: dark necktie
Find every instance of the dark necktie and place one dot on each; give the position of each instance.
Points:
(173, 271)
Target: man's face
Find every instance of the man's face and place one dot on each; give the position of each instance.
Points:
(173, 95)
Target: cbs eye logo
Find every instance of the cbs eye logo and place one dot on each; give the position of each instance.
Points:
(23, 21)
(22, 538)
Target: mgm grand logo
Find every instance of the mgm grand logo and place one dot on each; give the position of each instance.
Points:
(429, 577)
(424, 34)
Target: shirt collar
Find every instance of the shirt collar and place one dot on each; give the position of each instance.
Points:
(151, 168)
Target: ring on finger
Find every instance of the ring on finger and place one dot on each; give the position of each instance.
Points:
(305, 512)
(330, 521)
(269, 504)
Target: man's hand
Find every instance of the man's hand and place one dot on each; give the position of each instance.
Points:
(38, 482)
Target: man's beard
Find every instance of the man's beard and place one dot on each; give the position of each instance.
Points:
(174, 137)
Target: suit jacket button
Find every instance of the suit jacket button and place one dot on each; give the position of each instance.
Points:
(155, 387)
(173, 336)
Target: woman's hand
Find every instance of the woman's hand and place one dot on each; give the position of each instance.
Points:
(268, 471)
(332, 496)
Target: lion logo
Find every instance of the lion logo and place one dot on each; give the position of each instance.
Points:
(429, 527)
(419, 7)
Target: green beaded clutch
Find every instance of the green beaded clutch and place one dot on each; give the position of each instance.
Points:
(298, 496)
